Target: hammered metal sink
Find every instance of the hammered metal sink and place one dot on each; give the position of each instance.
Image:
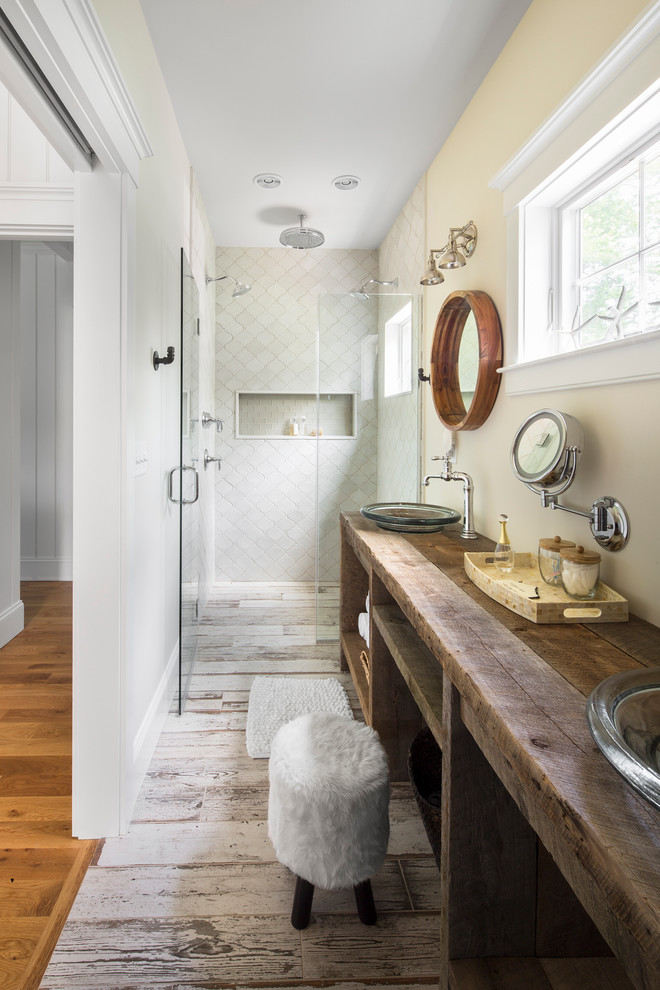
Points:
(623, 713)
(410, 517)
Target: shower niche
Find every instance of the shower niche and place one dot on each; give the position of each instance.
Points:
(296, 415)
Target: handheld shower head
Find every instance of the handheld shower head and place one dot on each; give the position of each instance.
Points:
(240, 288)
(301, 237)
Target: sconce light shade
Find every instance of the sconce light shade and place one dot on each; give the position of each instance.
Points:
(431, 276)
(452, 258)
(459, 247)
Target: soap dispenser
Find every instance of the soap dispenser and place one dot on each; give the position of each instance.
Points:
(504, 556)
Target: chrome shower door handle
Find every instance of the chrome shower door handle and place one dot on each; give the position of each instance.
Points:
(191, 501)
(170, 490)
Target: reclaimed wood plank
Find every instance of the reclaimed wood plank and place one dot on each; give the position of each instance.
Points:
(137, 952)
(498, 974)
(218, 889)
(399, 946)
(488, 852)
(189, 842)
(586, 974)
(422, 878)
(227, 803)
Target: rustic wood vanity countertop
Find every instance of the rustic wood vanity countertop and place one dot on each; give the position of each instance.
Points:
(522, 692)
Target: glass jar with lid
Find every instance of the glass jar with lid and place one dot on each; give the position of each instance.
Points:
(580, 571)
(549, 559)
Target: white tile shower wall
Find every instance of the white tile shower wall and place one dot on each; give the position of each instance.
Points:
(267, 341)
(402, 254)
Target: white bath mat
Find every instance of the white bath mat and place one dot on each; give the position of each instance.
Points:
(277, 700)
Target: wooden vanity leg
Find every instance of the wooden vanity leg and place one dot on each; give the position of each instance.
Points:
(488, 854)
(394, 712)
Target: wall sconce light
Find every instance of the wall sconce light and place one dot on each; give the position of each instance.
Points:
(459, 247)
(157, 361)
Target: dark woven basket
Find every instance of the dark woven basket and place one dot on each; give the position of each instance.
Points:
(425, 772)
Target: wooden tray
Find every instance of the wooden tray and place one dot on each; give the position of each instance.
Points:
(517, 590)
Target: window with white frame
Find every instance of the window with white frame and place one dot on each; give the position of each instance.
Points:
(582, 201)
(609, 255)
(398, 354)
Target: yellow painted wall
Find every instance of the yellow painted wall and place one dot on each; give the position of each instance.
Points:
(555, 46)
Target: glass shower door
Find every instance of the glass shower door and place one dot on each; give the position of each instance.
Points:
(368, 426)
(190, 453)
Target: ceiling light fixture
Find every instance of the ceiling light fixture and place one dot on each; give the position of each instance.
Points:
(344, 182)
(459, 247)
(267, 180)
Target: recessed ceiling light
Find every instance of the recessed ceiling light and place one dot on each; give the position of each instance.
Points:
(346, 182)
(267, 180)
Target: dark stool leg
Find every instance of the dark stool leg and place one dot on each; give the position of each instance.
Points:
(364, 899)
(302, 903)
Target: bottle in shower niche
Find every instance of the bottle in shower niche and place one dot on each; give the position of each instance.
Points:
(504, 557)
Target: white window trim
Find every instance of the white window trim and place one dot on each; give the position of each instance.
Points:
(401, 324)
(624, 80)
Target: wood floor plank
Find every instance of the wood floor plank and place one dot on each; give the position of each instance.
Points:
(139, 952)
(422, 878)
(400, 945)
(214, 890)
(189, 842)
(237, 770)
(18, 941)
(47, 808)
(227, 803)
(181, 801)
(35, 775)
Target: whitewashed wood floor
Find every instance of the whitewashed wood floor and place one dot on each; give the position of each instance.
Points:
(192, 896)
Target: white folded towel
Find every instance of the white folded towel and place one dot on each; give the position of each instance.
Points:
(363, 626)
(367, 606)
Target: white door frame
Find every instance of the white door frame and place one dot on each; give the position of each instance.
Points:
(65, 38)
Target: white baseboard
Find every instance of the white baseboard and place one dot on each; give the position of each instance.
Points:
(46, 569)
(11, 622)
(148, 733)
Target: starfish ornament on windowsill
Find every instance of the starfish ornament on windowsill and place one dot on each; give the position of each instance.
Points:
(616, 314)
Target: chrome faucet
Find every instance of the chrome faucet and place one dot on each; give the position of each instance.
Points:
(448, 474)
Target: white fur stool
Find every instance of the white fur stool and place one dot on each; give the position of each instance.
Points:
(328, 808)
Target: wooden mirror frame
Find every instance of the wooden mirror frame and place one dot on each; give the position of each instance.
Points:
(445, 384)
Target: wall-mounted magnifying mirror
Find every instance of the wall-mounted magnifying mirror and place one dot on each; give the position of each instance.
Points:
(546, 450)
(465, 355)
(545, 454)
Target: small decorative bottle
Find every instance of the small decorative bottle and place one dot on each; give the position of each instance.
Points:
(504, 557)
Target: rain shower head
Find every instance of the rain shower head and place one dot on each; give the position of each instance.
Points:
(301, 237)
(361, 294)
(240, 288)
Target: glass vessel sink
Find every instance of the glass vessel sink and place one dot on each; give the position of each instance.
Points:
(624, 717)
(410, 517)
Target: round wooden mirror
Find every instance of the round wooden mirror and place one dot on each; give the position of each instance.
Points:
(465, 356)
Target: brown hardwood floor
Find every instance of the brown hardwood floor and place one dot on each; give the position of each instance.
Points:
(41, 865)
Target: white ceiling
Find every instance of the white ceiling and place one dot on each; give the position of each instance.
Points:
(314, 89)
